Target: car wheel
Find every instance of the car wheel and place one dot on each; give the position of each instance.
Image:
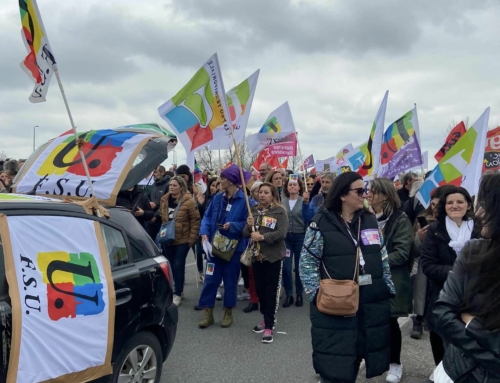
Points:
(140, 361)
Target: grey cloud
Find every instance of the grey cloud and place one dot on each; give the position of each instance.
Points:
(354, 27)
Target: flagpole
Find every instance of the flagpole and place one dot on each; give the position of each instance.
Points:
(77, 140)
(220, 162)
(301, 158)
(243, 184)
(419, 143)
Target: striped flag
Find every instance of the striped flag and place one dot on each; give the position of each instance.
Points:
(40, 62)
(372, 159)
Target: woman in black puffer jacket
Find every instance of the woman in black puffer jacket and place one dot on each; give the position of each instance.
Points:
(444, 239)
(467, 314)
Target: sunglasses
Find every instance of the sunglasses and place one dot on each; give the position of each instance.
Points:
(360, 191)
(310, 184)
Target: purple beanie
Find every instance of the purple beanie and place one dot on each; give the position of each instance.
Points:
(232, 174)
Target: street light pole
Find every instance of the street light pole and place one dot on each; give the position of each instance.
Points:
(34, 128)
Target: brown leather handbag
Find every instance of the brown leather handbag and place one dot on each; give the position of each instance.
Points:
(339, 297)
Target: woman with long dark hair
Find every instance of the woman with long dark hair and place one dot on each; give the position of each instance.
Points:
(342, 235)
(467, 314)
(397, 231)
(444, 239)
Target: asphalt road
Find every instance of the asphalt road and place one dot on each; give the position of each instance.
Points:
(236, 354)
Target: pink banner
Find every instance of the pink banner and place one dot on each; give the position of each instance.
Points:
(283, 147)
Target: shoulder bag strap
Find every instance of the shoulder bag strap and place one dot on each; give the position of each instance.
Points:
(177, 209)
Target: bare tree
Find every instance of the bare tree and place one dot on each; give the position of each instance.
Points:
(207, 159)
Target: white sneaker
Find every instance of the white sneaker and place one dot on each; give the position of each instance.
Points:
(177, 300)
(219, 295)
(395, 373)
(241, 282)
(243, 296)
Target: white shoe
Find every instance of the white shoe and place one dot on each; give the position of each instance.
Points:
(243, 296)
(241, 282)
(177, 300)
(219, 295)
(395, 373)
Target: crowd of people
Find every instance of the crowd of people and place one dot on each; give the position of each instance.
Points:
(362, 256)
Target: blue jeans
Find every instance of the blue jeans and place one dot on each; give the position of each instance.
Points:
(176, 255)
(217, 270)
(293, 243)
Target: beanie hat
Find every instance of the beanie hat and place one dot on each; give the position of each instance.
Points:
(183, 169)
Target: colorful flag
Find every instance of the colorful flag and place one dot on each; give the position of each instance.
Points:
(198, 177)
(406, 158)
(199, 112)
(40, 62)
(455, 134)
(284, 164)
(309, 162)
(239, 101)
(343, 153)
(265, 156)
(277, 133)
(354, 159)
(372, 160)
(398, 134)
(492, 153)
(462, 164)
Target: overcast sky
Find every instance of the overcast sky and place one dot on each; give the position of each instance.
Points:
(331, 60)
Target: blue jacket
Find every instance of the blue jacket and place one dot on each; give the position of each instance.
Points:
(316, 202)
(216, 214)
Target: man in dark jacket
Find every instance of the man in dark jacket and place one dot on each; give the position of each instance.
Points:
(407, 181)
(134, 200)
(157, 190)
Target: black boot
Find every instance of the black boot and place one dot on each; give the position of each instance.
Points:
(251, 307)
(416, 332)
(299, 302)
(288, 301)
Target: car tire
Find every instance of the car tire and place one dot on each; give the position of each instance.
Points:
(130, 360)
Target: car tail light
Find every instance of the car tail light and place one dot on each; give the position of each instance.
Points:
(167, 270)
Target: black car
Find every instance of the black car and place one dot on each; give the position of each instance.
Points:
(145, 317)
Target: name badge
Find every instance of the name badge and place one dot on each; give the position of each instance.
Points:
(269, 222)
(228, 208)
(365, 280)
(370, 237)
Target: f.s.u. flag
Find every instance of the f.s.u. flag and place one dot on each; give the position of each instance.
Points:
(277, 134)
(372, 160)
(40, 62)
(455, 134)
(239, 101)
(199, 112)
(398, 134)
(463, 163)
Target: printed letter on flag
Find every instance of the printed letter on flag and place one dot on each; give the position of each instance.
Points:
(239, 102)
(463, 163)
(457, 132)
(63, 298)
(372, 160)
(40, 62)
(277, 133)
(199, 112)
